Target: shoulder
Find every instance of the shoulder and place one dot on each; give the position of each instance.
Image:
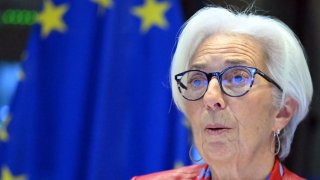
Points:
(288, 175)
(186, 172)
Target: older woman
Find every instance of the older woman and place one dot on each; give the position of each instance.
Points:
(243, 82)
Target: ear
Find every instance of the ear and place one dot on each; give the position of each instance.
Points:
(285, 114)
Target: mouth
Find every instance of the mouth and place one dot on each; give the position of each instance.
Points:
(216, 129)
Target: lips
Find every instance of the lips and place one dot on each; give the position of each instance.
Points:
(216, 129)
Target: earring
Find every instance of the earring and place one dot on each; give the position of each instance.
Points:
(191, 157)
(277, 144)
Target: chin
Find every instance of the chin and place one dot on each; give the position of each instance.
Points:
(217, 151)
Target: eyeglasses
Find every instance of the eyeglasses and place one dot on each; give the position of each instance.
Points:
(234, 81)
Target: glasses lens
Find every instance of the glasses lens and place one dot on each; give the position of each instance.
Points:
(195, 85)
(236, 81)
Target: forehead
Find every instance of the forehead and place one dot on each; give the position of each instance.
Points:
(223, 50)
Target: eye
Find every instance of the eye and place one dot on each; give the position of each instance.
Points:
(196, 81)
(236, 78)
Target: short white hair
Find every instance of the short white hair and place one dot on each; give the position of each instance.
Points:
(286, 61)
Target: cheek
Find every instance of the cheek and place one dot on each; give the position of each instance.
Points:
(257, 101)
(193, 110)
(194, 113)
(256, 114)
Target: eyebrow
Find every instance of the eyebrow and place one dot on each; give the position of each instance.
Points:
(236, 62)
(198, 66)
(227, 63)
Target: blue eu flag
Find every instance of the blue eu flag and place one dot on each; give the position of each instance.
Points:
(94, 101)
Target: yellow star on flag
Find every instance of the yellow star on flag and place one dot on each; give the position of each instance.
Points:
(104, 3)
(152, 13)
(51, 18)
(3, 130)
(6, 175)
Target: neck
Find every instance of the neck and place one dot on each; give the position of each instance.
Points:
(243, 168)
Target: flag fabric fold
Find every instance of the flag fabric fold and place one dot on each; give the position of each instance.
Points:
(95, 100)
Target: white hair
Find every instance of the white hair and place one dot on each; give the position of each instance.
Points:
(286, 61)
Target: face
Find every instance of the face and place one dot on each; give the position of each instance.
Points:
(225, 127)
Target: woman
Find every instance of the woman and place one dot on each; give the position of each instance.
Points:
(243, 83)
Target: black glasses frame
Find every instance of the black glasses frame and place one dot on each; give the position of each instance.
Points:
(253, 71)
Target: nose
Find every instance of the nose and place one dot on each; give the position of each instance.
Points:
(213, 98)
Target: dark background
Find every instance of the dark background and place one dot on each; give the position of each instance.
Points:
(303, 16)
